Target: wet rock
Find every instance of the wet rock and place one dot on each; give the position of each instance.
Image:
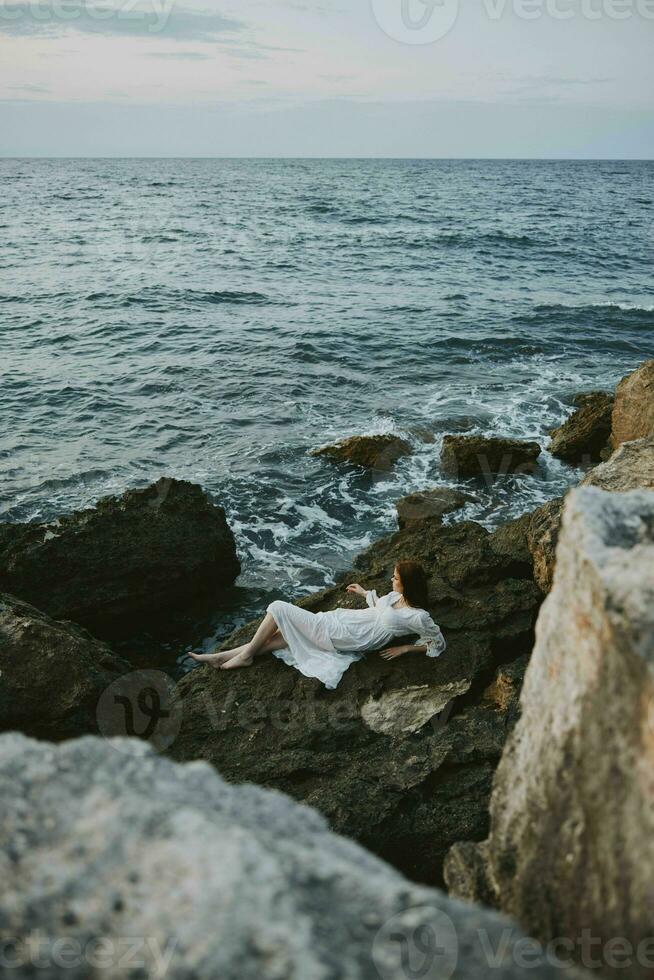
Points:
(475, 455)
(130, 559)
(584, 435)
(430, 505)
(633, 412)
(571, 846)
(51, 673)
(115, 856)
(372, 452)
(404, 794)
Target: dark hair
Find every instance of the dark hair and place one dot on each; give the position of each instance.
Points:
(414, 582)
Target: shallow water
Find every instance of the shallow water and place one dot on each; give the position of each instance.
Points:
(215, 320)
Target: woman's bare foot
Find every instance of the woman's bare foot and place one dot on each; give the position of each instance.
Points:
(217, 659)
(243, 659)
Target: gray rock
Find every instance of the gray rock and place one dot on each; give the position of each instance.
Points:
(572, 815)
(126, 561)
(51, 673)
(104, 843)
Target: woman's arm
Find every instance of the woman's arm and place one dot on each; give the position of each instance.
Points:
(392, 652)
(370, 597)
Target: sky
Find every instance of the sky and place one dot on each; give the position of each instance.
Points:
(391, 78)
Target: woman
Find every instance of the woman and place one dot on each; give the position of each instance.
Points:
(324, 644)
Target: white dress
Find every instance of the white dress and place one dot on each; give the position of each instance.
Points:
(324, 644)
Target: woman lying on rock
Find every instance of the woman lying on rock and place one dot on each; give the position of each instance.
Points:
(324, 644)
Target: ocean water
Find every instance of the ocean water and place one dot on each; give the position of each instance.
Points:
(215, 320)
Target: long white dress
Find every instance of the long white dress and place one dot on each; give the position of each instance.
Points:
(324, 644)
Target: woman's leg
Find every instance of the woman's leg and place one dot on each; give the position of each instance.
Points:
(265, 641)
(260, 643)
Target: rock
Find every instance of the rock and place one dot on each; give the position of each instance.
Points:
(51, 673)
(128, 560)
(542, 538)
(119, 863)
(482, 456)
(373, 452)
(633, 412)
(571, 848)
(401, 784)
(586, 433)
(631, 467)
(430, 505)
(466, 873)
(511, 542)
(409, 709)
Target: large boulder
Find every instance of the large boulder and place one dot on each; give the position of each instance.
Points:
(401, 755)
(633, 412)
(474, 455)
(584, 435)
(631, 467)
(430, 505)
(372, 452)
(118, 863)
(51, 673)
(128, 560)
(571, 848)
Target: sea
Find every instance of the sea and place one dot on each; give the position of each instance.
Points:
(215, 320)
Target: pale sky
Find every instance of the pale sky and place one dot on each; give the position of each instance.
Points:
(481, 78)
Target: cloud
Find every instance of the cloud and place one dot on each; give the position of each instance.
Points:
(147, 18)
(180, 55)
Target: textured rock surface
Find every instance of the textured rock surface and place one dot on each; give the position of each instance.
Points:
(373, 452)
(102, 842)
(429, 505)
(586, 433)
(572, 840)
(481, 456)
(633, 412)
(631, 467)
(51, 673)
(406, 795)
(130, 558)
(542, 537)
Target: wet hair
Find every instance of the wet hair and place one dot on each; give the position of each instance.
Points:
(414, 582)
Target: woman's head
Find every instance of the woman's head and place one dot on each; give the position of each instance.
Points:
(410, 580)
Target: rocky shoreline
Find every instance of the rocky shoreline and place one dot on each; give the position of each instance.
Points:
(403, 757)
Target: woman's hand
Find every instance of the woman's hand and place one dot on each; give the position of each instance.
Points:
(356, 588)
(392, 652)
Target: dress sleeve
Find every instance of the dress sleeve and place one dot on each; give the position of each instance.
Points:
(430, 635)
(372, 598)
